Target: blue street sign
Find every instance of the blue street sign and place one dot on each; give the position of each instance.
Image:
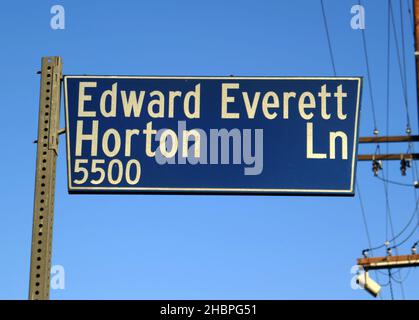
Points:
(223, 135)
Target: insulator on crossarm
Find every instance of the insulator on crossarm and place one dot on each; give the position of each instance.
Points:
(376, 166)
(365, 253)
(404, 164)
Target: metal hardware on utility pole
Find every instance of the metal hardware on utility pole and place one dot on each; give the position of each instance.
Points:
(47, 152)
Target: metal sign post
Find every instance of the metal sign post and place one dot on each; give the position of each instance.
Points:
(47, 151)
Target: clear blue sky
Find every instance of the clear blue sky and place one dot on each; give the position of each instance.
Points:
(198, 247)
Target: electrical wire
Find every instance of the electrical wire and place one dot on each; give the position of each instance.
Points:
(385, 184)
(401, 232)
(364, 42)
(332, 59)
(399, 281)
(396, 182)
(391, 285)
(364, 219)
(403, 47)
(409, 9)
(364, 216)
(407, 238)
(400, 67)
(328, 38)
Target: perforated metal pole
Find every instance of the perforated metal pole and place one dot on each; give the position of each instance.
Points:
(47, 151)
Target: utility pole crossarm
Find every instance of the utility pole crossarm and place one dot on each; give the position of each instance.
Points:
(386, 139)
(388, 262)
(390, 156)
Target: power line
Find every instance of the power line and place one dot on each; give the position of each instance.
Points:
(364, 42)
(401, 232)
(357, 185)
(391, 285)
(364, 219)
(404, 81)
(385, 184)
(402, 66)
(399, 281)
(396, 182)
(364, 216)
(328, 38)
(406, 103)
(403, 46)
(409, 9)
(407, 238)
(388, 84)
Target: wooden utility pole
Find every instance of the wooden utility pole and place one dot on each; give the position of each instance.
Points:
(47, 151)
(416, 32)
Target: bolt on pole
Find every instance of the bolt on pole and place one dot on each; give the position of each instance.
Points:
(47, 152)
